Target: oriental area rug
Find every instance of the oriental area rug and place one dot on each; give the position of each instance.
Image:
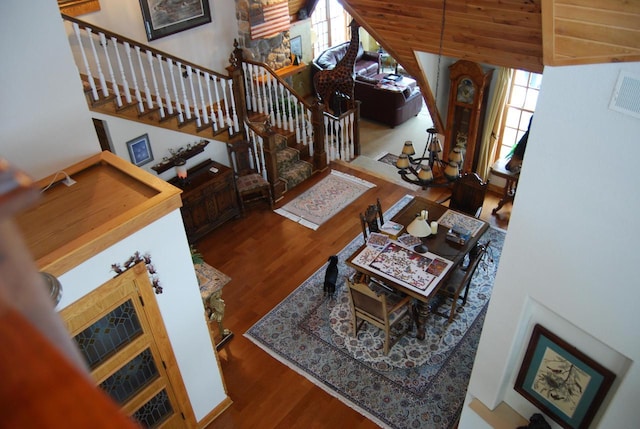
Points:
(326, 198)
(418, 384)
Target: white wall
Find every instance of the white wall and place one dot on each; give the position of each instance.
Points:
(207, 45)
(180, 302)
(570, 259)
(44, 120)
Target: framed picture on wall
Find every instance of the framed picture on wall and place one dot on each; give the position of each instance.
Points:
(296, 46)
(564, 383)
(140, 150)
(162, 18)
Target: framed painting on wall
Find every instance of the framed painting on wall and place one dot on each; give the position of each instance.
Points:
(140, 150)
(564, 383)
(162, 18)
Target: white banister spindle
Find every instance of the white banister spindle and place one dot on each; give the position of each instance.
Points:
(96, 59)
(247, 87)
(205, 116)
(351, 136)
(327, 138)
(136, 88)
(167, 94)
(90, 79)
(298, 119)
(234, 113)
(220, 120)
(253, 81)
(185, 99)
(308, 135)
(291, 106)
(123, 76)
(154, 81)
(273, 102)
(210, 112)
(196, 112)
(174, 87)
(114, 83)
(226, 123)
(143, 75)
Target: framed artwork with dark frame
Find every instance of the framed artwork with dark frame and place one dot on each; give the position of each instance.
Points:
(296, 46)
(564, 383)
(162, 18)
(140, 150)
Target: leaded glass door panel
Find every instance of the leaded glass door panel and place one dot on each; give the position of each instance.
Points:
(119, 330)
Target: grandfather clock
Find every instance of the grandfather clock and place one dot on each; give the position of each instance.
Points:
(467, 104)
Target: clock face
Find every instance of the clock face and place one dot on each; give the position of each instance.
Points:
(466, 91)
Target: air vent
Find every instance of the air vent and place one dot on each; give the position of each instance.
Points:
(626, 96)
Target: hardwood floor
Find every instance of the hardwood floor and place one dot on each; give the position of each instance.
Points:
(267, 256)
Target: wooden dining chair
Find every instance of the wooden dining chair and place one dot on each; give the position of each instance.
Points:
(372, 219)
(250, 184)
(456, 289)
(373, 304)
(467, 194)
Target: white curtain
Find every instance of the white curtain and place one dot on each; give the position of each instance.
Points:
(493, 122)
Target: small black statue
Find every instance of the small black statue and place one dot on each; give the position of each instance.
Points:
(536, 422)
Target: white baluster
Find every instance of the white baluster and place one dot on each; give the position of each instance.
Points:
(167, 94)
(298, 120)
(327, 138)
(203, 111)
(172, 77)
(196, 111)
(123, 76)
(103, 82)
(292, 107)
(154, 80)
(275, 109)
(351, 137)
(210, 114)
(136, 88)
(185, 99)
(220, 121)
(234, 113)
(90, 79)
(143, 75)
(114, 83)
(248, 89)
(309, 133)
(227, 121)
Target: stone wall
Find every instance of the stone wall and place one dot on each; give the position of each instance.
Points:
(274, 51)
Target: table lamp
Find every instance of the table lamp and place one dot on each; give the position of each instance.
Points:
(421, 229)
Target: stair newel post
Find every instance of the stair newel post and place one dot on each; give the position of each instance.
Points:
(239, 95)
(317, 121)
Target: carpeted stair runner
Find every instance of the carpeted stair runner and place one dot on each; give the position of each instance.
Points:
(290, 167)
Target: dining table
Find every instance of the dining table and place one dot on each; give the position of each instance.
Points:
(390, 263)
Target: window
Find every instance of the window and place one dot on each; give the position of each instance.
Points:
(329, 24)
(521, 103)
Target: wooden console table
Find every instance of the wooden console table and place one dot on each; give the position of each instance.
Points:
(499, 169)
(211, 282)
(208, 199)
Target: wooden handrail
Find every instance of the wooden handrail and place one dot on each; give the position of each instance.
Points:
(122, 39)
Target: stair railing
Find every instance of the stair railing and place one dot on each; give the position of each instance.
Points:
(324, 136)
(132, 73)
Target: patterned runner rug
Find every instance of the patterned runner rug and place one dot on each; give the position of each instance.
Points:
(326, 198)
(418, 384)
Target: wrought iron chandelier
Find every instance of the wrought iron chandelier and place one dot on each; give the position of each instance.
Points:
(429, 170)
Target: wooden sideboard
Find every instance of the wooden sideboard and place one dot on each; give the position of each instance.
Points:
(208, 199)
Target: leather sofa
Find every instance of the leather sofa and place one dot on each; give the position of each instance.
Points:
(379, 102)
(367, 62)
